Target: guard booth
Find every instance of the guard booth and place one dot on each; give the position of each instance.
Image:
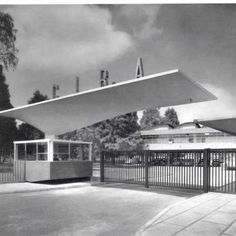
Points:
(51, 159)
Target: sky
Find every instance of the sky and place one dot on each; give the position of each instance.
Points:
(59, 42)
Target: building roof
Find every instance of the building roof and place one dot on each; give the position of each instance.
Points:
(67, 113)
(187, 124)
(177, 131)
(227, 124)
(159, 127)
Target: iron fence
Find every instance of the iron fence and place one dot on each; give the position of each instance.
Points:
(208, 169)
(222, 171)
(11, 171)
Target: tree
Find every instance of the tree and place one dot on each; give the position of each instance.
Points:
(37, 97)
(8, 50)
(125, 125)
(171, 117)
(133, 142)
(87, 134)
(150, 118)
(26, 131)
(117, 134)
(8, 128)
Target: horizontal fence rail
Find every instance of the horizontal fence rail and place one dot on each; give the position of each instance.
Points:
(11, 171)
(208, 169)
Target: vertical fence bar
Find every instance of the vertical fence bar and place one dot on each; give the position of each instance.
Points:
(102, 167)
(146, 170)
(205, 171)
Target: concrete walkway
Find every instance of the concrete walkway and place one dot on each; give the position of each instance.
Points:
(205, 214)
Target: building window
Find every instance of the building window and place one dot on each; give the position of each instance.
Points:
(190, 140)
(31, 151)
(171, 140)
(203, 140)
(61, 151)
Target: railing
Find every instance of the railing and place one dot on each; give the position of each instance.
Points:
(208, 170)
(10, 170)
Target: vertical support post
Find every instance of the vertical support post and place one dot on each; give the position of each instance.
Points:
(82, 150)
(90, 152)
(25, 152)
(50, 150)
(206, 176)
(37, 151)
(102, 166)
(69, 157)
(146, 169)
(15, 152)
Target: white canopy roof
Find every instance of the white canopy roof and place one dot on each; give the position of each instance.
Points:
(67, 113)
(227, 125)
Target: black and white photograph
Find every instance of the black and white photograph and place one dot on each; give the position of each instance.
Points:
(117, 118)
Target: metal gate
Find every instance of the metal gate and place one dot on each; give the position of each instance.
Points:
(208, 169)
(11, 171)
(222, 170)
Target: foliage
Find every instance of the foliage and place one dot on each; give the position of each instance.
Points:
(8, 128)
(8, 50)
(171, 117)
(133, 142)
(26, 131)
(117, 133)
(151, 117)
(125, 125)
(37, 97)
(87, 134)
(121, 132)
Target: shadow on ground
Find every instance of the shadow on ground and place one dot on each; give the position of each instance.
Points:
(63, 181)
(160, 190)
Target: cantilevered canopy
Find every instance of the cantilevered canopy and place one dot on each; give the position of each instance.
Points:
(78, 110)
(227, 125)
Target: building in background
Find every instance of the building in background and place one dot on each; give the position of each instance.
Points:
(186, 136)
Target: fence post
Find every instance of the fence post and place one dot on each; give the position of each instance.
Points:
(206, 180)
(102, 166)
(146, 155)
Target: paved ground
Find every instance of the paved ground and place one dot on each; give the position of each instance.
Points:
(207, 214)
(86, 210)
(74, 209)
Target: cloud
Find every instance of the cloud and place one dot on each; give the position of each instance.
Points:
(139, 20)
(68, 38)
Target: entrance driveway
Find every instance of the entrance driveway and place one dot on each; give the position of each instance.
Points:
(90, 210)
